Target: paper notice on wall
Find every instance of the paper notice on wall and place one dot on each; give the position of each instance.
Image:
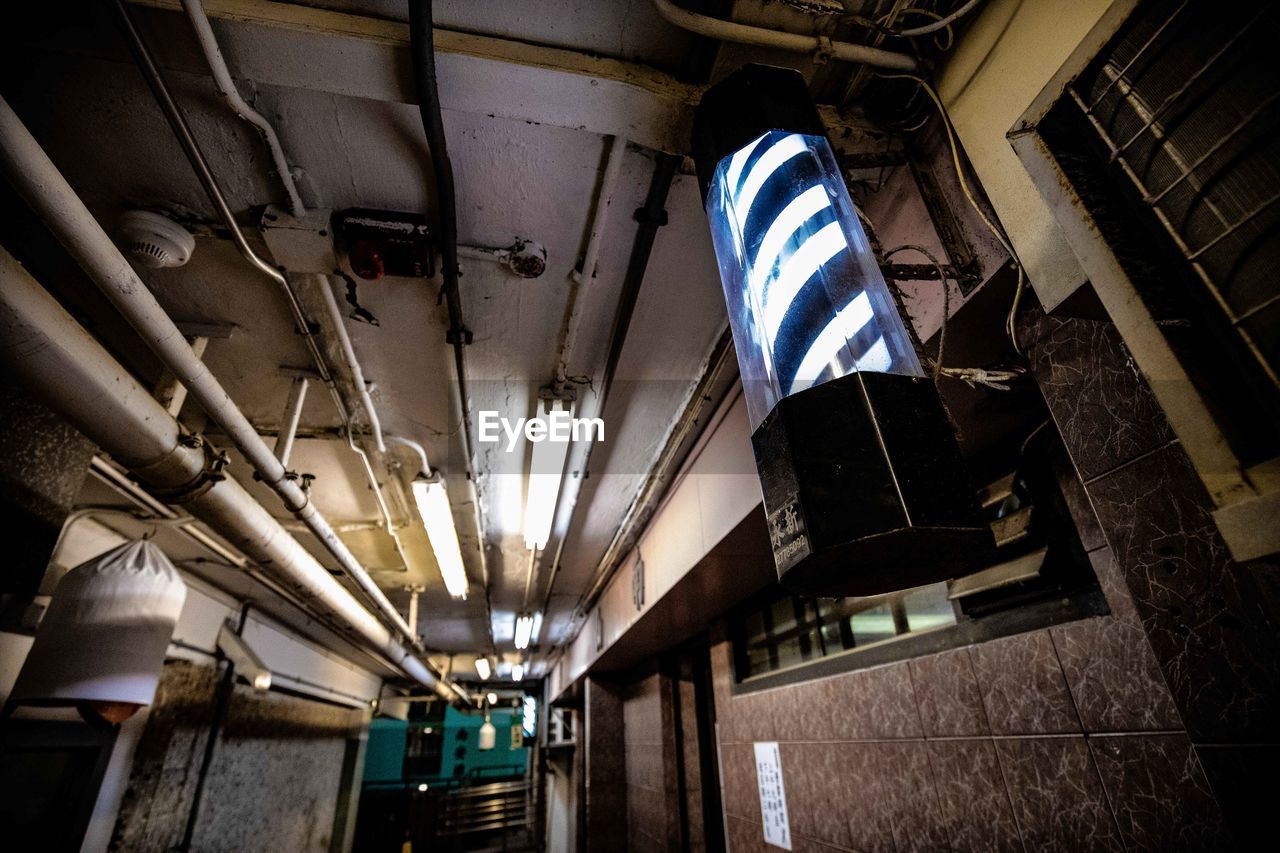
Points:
(773, 800)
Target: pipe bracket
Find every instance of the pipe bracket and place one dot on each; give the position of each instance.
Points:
(211, 472)
(458, 336)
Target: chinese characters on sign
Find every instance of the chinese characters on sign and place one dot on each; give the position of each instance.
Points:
(773, 800)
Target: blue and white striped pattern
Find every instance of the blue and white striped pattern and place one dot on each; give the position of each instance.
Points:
(789, 240)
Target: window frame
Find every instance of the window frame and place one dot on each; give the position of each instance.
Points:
(1245, 497)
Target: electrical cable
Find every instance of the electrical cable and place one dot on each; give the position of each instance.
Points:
(939, 24)
(1001, 237)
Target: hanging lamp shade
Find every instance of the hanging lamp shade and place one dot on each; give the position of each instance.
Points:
(103, 640)
(488, 734)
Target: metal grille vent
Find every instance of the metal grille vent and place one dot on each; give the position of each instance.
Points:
(1185, 103)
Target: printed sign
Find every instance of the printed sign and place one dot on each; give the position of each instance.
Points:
(773, 800)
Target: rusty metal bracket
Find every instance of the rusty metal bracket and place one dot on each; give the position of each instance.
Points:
(925, 272)
(215, 461)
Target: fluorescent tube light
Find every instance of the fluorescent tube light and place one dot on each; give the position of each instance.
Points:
(524, 630)
(483, 669)
(546, 469)
(437, 518)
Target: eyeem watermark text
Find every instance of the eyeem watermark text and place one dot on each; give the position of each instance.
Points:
(556, 426)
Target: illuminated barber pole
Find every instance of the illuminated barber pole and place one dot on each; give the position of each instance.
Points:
(800, 279)
(864, 487)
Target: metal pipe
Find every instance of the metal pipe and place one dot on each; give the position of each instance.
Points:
(744, 34)
(414, 592)
(651, 217)
(353, 363)
(227, 89)
(182, 130)
(664, 470)
(371, 414)
(422, 49)
(600, 213)
(178, 122)
(599, 217)
(292, 414)
(53, 200)
(416, 448)
(59, 363)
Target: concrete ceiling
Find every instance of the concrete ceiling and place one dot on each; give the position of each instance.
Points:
(517, 176)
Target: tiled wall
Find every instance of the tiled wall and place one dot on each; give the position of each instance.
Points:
(604, 766)
(1125, 731)
(1207, 617)
(653, 818)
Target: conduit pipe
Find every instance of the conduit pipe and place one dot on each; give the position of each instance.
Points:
(416, 448)
(60, 364)
(745, 34)
(366, 402)
(173, 114)
(651, 217)
(353, 363)
(422, 49)
(34, 176)
(600, 213)
(590, 258)
(227, 89)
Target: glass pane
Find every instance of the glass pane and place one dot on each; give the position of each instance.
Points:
(928, 607)
(872, 625)
(806, 299)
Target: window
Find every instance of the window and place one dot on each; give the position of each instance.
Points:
(1169, 137)
(1041, 576)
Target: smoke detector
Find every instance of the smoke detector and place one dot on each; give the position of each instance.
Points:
(152, 240)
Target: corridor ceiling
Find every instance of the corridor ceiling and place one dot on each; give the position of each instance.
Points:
(534, 96)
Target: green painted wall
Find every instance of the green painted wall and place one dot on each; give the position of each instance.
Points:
(461, 756)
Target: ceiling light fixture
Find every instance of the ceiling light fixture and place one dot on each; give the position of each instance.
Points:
(524, 630)
(437, 517)
(546, 469)
(483, 669)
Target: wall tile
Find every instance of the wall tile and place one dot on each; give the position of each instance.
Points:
(947, 693)
(870, 704)
(1022, 686)
(644, 766)
(1078, 504)
(1101, 404)
(748, 837)
(913, 806)
(739, 788)
(1114, 587)
(862, 791)
(1158, 793)
(1247, 787)
(815, 792)
(972, 797)
(1215, 645)
(1114, 678)
(1056, 795)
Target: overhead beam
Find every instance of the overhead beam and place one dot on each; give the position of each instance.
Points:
(283, 44)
